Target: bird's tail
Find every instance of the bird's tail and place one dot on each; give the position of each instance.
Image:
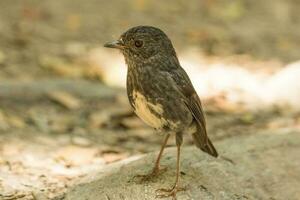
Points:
(204, 145)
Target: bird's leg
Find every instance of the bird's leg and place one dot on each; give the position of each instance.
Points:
(156, 169)
(172, 191)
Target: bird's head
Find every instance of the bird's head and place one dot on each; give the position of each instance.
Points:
(141, 43)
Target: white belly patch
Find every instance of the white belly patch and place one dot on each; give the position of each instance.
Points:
(144, 110)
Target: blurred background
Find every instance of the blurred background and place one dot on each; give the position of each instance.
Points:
(63, 105)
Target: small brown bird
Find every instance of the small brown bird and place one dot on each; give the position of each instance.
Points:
(161, 93)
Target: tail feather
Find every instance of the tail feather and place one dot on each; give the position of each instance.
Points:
(207, 146)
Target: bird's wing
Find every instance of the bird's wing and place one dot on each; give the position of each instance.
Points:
(184, 87)
(192, 100)
(195, 106)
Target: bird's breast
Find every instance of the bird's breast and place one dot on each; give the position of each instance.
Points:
(151, 113)
(155, 101)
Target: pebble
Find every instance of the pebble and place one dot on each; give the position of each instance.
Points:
(81, 141)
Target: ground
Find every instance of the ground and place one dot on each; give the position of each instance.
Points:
(48, 141)
(32, 29)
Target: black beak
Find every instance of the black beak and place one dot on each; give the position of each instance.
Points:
(118, 44)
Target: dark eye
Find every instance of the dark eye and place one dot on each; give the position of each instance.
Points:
(138, 43)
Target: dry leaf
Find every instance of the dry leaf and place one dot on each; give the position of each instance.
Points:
(65, 99)
(113, 157)
(76, 156)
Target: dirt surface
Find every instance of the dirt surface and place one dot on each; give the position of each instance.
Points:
(32, 29)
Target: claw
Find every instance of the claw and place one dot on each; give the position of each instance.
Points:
(169, 192)
(155, 172)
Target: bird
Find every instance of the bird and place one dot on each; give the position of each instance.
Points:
(161, 94)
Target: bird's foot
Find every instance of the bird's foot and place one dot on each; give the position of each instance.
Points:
(163, 193)
(154, 173)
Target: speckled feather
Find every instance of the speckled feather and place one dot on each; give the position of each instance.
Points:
(159, 89)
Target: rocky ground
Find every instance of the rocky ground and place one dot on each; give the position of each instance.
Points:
(261, 166)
